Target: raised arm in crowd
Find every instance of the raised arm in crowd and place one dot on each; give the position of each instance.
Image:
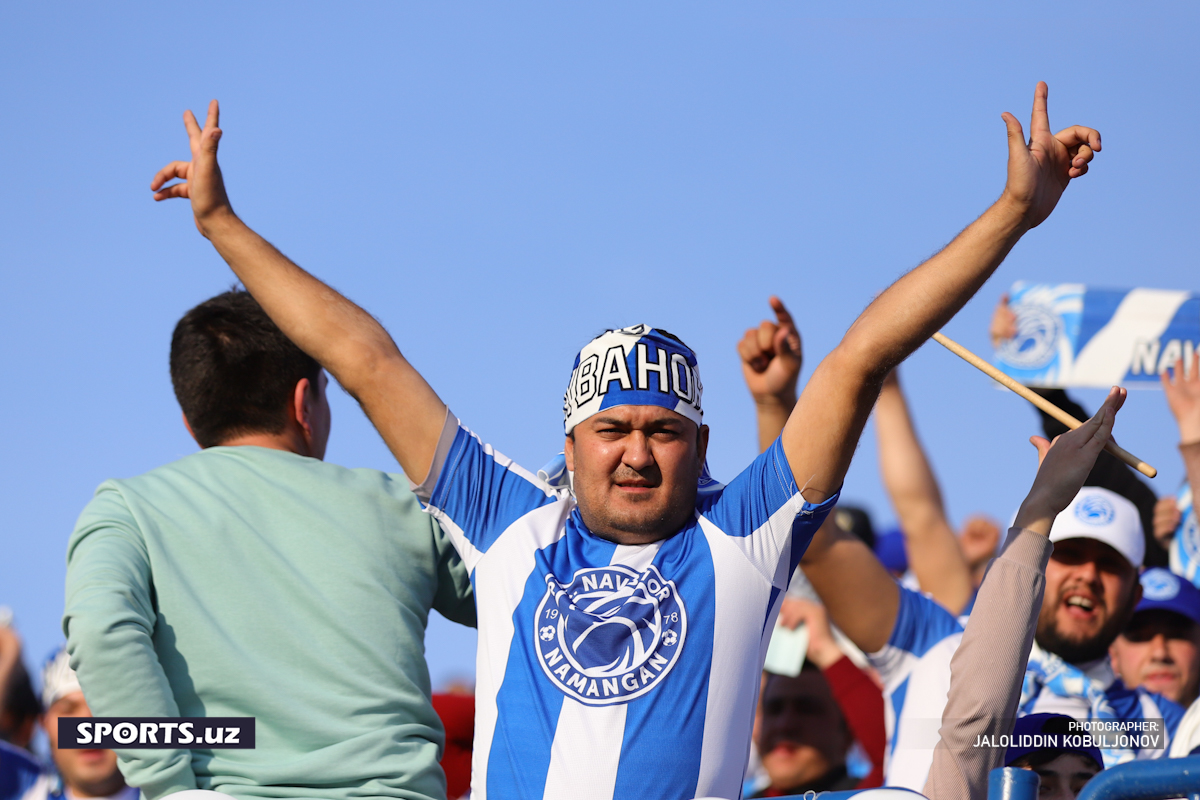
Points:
(356, 349)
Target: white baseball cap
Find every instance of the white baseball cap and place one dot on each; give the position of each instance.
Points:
(58, 679)
(1105, 516)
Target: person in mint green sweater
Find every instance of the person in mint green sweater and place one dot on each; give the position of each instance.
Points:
(252, 579)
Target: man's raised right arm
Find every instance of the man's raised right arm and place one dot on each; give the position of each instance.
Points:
(342, 337)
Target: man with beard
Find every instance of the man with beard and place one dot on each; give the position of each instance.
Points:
(1092, 590)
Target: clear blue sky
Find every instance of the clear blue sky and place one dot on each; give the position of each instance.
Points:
(497, 185)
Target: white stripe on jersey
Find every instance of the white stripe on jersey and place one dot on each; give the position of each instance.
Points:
(587, 739)
(742, 593)
(765, 546)
(497, 596)
(586, 751)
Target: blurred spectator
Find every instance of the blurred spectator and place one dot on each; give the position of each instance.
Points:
(804, 737)
(1167, 517)
(1109, 473)
(934, 554)
(858, 696)
(19, 707)
(21, 776)
(1181, 388)
(1159, 650)
(855, 520)
(456, 709)
(1062, 771)
(979, 539)
(83, 773)
(892, 553)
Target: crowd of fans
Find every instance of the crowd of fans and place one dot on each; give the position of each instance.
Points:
(1141, 650)
(833, 724)
(932, 655)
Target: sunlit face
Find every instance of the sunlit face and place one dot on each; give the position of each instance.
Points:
(635, 472)
(87, 773)
(803, 734)
(1091, 591)
(1064, 777)
(1159, 650)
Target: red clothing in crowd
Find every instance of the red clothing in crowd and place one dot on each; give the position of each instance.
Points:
(457, 712)
(861, 701)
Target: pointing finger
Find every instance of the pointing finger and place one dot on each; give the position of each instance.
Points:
(1040, 121)
(214, 115)
(782, 315)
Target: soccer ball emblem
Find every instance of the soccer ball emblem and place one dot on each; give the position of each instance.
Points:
(669, 638)
(547, 633)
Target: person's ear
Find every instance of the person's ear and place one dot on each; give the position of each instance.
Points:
(702, 442)
(569, 451)
(303, 400)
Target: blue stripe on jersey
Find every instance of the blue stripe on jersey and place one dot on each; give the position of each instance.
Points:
(668, 723)
(481, 496)
(754, 495)
(775, 592)
(897, 700)
(920, 624)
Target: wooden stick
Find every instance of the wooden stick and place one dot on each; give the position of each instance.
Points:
(1039, 401)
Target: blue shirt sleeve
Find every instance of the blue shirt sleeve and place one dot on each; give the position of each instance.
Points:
(920, 623)
(480, 493)
(763, 507)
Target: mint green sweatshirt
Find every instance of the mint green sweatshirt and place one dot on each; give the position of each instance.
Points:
(248, 582)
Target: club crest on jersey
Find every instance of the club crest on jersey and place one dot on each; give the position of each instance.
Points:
(609, 635)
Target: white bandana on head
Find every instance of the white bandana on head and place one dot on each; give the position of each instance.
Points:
(634, 366)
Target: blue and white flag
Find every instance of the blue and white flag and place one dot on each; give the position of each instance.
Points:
(1185, 547)
(1072, 335)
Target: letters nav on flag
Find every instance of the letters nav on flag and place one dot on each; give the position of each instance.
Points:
(1074, 335)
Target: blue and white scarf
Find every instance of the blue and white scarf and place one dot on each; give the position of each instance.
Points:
(1049, 673)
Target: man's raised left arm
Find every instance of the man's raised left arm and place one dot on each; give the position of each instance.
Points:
(823, 430)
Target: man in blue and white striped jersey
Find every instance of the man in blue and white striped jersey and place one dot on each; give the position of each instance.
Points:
(622, 624)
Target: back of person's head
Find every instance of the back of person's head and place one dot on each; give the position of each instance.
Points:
(233, 370)
(853, 519)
